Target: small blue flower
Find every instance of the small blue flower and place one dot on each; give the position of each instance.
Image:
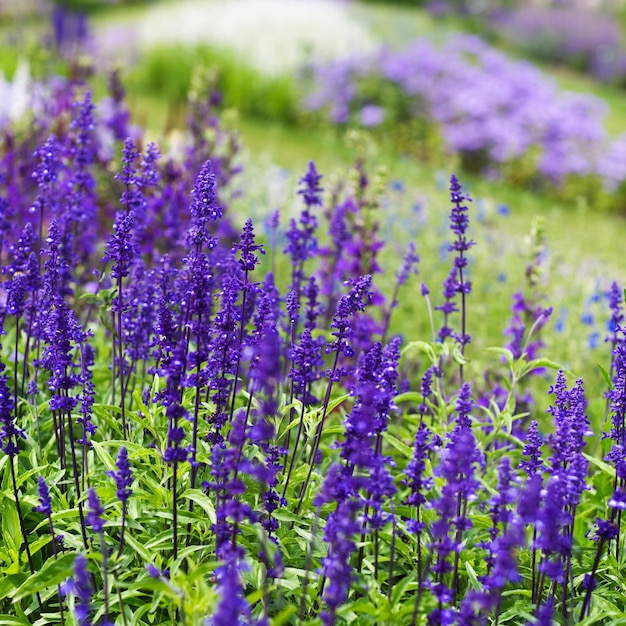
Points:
(587, 318)
(559, 327)
(480, 210)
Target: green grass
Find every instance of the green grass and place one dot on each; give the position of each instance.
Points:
(166, 73)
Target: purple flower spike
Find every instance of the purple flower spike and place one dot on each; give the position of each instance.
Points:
(409, 265)
(604, 530)
(96, 511)
(302, 242)
(247, 248)
(618, 500)
(544, 613)
(204, 204)
(49, 162)
(292, 303)
(233, 607)
(121, 248)
(153, 571)
(80, 586)
(45, 501)
(123, 477)
(9, 432)
(349, 304)
(614, 297)
(459, 220)
(311, 190)
(204, 208)
(533, 450)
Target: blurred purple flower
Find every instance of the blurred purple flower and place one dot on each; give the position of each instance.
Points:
(372, 115)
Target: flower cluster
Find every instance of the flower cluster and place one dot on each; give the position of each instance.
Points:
(489, 108)
(264, 457)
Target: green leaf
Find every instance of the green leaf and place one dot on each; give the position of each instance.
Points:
(106, 322)
(421, 346)
(11, 620)
(505, 352)
(599, 463)
(104, 456)
(337, 429)
(409, 396)
(336, 402)
(543, 362)
(53, 572)
(458, 356)
(138, 548)
(405, 450)
(286, 516)
(399, 589)
(11, 525)
(284, 615)
(507, 418)
(10, 582)
(203, 501)
(606, 376)
(473, 578)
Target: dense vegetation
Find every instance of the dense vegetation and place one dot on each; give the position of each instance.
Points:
(216, 412)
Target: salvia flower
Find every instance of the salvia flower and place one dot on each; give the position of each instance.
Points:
(409, 265)
(48, 157)
(416, 478)
(426, 386)
(233, 608)
(292, 303)
(80, 586)
(339, 532)
(302, 242)
(9, 431)
(95, 513)
(121, 248)
(45, 501)
(204, 208)
(349, 304)
(615, 297)
(247, 248)
(532, 449)
(123, 477)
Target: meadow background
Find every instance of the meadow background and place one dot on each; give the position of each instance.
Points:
(339, 128)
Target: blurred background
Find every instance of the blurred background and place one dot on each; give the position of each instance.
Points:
(525, 101)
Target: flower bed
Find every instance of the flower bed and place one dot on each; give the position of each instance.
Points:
(183, 441)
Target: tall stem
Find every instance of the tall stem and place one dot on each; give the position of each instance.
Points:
(174, 511)
(318, 433)
(295, 448)
(105, 575)
(20, 516)
(119, 550)
(241, 331)
(81, 515)
(463, 318)
(121, 355)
